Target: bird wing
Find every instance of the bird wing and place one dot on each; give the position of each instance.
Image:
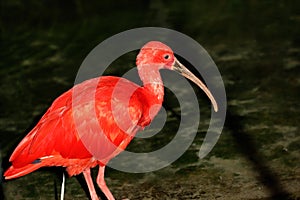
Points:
(82, 123)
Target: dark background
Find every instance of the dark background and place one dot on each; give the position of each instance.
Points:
(255, 45)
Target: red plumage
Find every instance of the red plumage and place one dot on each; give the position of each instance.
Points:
(96, 119)
(55, 141)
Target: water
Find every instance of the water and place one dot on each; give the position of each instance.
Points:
(254, 44)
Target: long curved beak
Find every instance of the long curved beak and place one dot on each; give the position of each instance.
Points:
(178, 67)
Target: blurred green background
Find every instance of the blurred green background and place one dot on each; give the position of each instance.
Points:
(255, 45)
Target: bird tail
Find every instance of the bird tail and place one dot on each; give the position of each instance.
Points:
(13, 172)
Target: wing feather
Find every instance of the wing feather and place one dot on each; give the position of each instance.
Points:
(57, 133)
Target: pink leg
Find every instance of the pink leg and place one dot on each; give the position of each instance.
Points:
(89, 181)
(101, 183)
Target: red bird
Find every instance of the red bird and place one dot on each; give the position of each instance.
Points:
(70, 135)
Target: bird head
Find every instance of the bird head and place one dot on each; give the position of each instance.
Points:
(156, 53)
(159, 56)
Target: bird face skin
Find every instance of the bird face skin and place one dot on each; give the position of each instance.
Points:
(156, 55)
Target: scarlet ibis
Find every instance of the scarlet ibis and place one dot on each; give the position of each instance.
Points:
(56, 141)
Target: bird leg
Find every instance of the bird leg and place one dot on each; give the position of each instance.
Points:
(101, 183)
(62, 191)
(89, 181)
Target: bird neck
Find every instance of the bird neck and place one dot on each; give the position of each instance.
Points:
(152, 83)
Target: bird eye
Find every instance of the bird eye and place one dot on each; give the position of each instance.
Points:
(166, 56)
